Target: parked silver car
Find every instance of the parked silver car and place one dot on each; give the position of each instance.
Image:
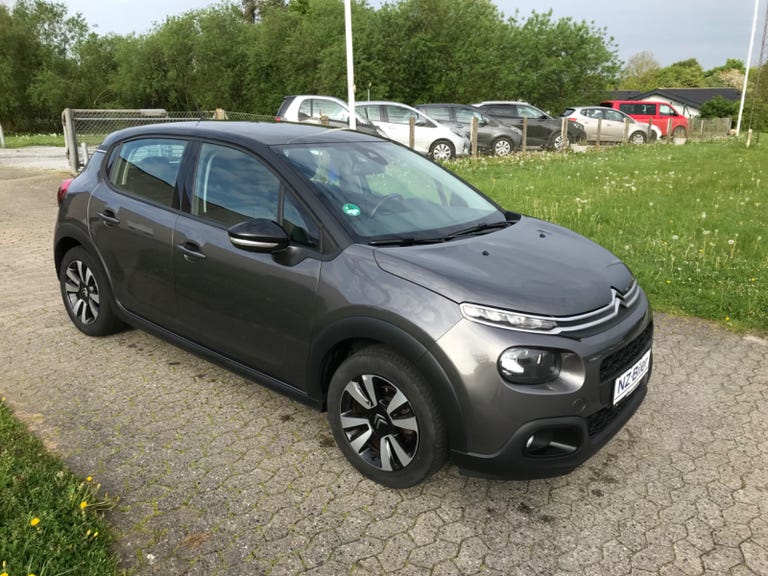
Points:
(611, 125)
(492, 136)
(316, 109)
(437, 140)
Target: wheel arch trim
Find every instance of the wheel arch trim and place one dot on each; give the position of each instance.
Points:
(361, 329)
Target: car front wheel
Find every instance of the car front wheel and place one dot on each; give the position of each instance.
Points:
(442, 150)
(385, 419)
(637, 138)
(86, 293)
(502, 147)
(557, 142)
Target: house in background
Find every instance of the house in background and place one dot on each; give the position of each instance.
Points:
(687, 101)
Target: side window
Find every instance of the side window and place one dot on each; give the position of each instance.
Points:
(503, 111)
(529, 112)
(613, 116)
(232, 186)
(371, 113)
(148, 168)
(315, 108)
(464, 115)
(399, 115)
(440, 114)
(665, 110)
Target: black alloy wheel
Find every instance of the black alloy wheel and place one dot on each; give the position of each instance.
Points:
(86, 293)
(385, 419)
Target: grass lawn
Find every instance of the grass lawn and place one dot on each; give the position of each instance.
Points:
(21, 140)
(690, 221)
(49, 519)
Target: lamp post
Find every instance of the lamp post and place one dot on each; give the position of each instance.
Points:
(746, 73)
(350, 65)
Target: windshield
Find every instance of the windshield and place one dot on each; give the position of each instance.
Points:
(382, 192)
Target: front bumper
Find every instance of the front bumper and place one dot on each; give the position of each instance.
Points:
(515, 431)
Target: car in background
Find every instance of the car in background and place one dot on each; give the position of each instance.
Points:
(492, 136)
(660, 114)
(613, 125)
(315, 109)
(365, 280)
(436, 140)
(543, 130)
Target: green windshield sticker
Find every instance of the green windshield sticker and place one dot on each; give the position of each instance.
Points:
(351, 209)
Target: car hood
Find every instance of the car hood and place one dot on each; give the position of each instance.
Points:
(531, 266)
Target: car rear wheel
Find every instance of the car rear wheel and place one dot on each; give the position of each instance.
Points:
(679, 132)
(442, 150)
(637, 138)
(87, 295)
(502, 147)
(385, 419)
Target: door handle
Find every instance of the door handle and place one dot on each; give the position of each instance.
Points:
(108, 217)
(191, 251)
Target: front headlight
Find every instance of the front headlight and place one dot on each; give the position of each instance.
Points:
(507, 319)
(529, 365)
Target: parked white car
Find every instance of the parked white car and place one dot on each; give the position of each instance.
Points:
(612, 125)
(432, 138)
(316, 109)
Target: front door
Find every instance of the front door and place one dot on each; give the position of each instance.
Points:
(255, 308)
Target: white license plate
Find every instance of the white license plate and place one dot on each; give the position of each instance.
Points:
(628, 381)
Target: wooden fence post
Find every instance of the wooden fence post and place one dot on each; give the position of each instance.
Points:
(524, 145)
(473, 136)
(411, 132)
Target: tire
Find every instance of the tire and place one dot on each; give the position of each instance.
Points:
(557, 143)
(503, 146)
(679, 132)
(385, 419)
(442, 150)
(637, 138)
(87, 295)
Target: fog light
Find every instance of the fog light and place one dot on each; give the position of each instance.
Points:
(529, 365)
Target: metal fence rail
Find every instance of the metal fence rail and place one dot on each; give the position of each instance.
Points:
(85, 129)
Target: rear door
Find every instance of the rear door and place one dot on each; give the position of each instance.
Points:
(132, 215)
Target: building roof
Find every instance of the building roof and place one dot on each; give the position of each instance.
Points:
(693, 97)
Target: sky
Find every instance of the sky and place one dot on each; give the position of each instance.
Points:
(709, 30)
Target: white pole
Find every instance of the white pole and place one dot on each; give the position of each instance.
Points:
(350, 65)
(746, 73)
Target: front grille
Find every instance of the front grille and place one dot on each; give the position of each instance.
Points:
(623, 359)
(611, 367)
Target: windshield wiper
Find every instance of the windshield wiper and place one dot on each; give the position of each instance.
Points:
(405, 241)
(478, 229)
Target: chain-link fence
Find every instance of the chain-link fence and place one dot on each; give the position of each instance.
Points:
(85, 129)
(709, 128)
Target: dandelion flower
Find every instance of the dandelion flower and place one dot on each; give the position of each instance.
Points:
(83, 505)
(89, 479)
(727, 318)
(731, 242)
(35, 521)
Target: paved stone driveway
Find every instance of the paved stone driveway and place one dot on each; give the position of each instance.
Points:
(217, 475)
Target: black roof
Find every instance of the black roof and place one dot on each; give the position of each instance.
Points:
(265, 133)
(693, 97)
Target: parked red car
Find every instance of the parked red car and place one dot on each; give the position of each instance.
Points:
(661, 114)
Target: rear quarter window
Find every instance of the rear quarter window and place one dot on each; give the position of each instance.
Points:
(148, 168)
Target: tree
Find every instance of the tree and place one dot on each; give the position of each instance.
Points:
(640, 72)
(719, 107)
(557, 63)
(683, 74)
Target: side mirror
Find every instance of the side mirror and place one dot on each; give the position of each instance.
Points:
(260, 235)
